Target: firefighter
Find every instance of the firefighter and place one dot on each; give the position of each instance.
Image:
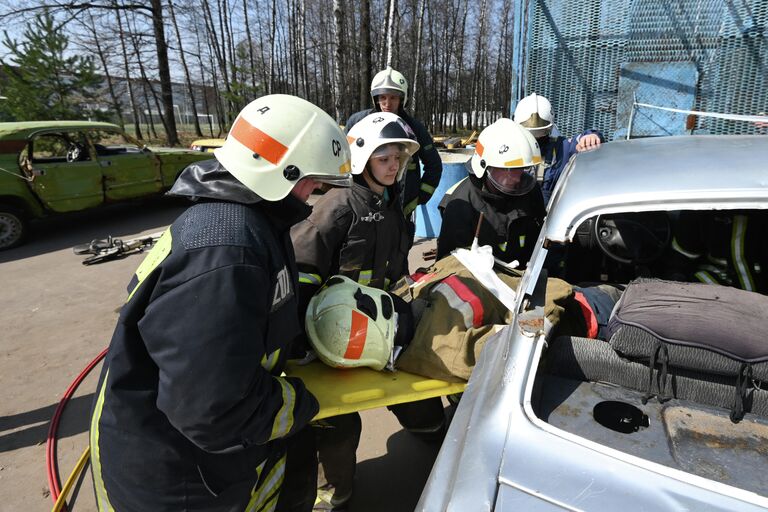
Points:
(535, 113)
(191, 411)
(502, 187)
(389, 92)
(361, 233)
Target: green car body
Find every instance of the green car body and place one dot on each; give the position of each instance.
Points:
(52, 167)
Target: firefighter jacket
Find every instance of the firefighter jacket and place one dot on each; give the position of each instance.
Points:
(191, 411)
(417, 187)
(556, 152)
(353, 232)
(456, 315)
(721, 247)
(510, 225)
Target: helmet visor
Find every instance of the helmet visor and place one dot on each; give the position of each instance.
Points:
(512, 181)
(333, 180)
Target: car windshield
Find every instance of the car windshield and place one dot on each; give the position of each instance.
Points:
(109, 142)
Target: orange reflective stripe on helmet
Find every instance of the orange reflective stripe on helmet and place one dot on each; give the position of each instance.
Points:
(357, 335)
(257, 141)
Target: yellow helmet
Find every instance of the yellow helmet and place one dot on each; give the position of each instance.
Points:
(277, 140)
(351, 325)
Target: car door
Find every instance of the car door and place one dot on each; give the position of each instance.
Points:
(66, 176)
(129, 171)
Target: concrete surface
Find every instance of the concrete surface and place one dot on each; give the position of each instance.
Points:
(56, 315)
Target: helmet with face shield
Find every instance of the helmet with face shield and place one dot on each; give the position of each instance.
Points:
(534, 112)
(389, 81)
(277, 140)
(351, 325)
(507, 155)
(378, 134)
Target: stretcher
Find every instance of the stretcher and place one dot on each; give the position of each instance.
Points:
(360, 389)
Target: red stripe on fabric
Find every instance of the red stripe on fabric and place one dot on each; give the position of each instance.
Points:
(258, 141)
(465, 294)
(589, 315)
(357, 335)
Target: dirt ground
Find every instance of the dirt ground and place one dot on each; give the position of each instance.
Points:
(56, 315)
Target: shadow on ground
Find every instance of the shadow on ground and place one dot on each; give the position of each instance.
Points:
(393, 482)
(30, 428)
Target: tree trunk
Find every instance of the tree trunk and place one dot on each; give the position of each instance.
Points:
(165, 75)
(365, 54)
(338, 15)
(390, 31)
(187, 78)
(417, 60)
(107, 75)
(131, 94)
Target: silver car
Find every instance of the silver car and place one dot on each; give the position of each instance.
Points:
(527, 434)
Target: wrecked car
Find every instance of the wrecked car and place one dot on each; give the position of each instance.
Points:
(53, 167)
(674, 418)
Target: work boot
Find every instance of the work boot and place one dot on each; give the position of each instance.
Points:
(329, 500)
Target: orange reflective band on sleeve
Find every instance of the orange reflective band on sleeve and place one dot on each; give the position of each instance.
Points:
(258, 141)
(479, 148)
(465, 294)
(357, 335)
(590, 319)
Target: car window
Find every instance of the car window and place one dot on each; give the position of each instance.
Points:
(110, 143)
(58, 147)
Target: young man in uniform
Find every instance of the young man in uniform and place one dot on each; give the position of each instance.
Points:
(389, 92)
(535, 113)
(500, 202)
(191, 411)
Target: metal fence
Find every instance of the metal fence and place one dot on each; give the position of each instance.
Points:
(592, 57)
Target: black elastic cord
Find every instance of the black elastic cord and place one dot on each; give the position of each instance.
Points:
(662, 385)
(651, 366)
(743, 380)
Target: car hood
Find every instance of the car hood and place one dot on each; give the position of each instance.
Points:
(209, 179)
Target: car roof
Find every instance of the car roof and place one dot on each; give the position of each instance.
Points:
(663, 173)
(22, 130)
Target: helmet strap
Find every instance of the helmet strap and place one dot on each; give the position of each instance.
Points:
(367, 172)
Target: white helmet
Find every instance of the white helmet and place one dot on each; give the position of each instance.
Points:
(351, 325)
(389, 81)
(278, 139)
(375, 131)
(535, 113)
(507, 154)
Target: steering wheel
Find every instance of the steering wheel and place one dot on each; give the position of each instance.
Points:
(74, 152)
(633, 238)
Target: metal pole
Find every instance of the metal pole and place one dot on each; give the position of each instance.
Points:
(631, 116)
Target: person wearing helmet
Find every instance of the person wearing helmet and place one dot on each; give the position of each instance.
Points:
(389, 92)
(361, 233)
(535, 113)
(191, 410)
(502, 187)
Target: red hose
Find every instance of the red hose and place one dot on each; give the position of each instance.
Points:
(54, 483)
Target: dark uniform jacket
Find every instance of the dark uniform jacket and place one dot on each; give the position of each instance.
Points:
(191, 412)
(726, 248)
(511, 224)
(417, 188)
(353, 232)
(556, 152)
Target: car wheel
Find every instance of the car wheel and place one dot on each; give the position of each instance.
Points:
(13, 227)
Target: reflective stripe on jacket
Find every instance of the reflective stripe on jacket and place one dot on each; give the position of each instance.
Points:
(191, 411)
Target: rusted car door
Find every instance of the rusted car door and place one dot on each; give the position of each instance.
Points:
(128, 170)
(66, 176)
